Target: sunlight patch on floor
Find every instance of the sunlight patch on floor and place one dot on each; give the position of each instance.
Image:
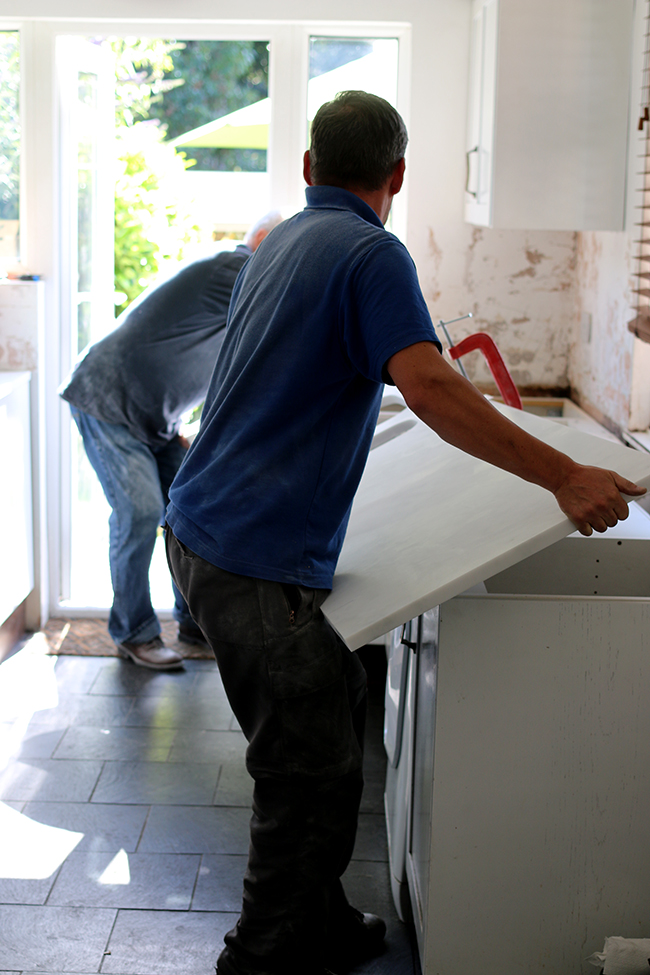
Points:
(118, 871)
(31, 850)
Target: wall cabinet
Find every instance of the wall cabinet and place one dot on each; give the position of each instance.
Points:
(549, 96)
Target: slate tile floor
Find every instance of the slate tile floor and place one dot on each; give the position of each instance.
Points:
(124, 809)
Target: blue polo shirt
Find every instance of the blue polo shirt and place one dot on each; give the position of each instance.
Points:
(266, 488)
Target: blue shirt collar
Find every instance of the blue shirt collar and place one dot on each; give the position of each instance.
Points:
(335, 198)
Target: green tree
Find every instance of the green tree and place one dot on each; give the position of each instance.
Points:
(211, 79)
(152, 219)
(163, 89)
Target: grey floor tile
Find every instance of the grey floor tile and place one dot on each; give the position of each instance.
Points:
(235, 786)
(49, 780)
(372, 800)
(210, 680)
(78, 673)
(156, 782)
(33, 742)
(123, 678)
(56, 939)
(17, 891)
(367, 885)
(371, 841)
(83, 709)
(214, 747)
(147, 881)
(117, 744)
(211, 829)
(18, 805)
(192, 710)
(398, 957)
(105, 827)
(220, 883)
(166, 943)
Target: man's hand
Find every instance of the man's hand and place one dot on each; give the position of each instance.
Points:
(592, 498)
(454, 408)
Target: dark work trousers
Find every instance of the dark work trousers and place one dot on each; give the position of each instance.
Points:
(299, 695)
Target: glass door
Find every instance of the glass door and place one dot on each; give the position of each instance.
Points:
(164, 146)
(86, 76)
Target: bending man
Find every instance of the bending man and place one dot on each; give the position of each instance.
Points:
(127, 394)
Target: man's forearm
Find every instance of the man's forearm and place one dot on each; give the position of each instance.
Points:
(462, 416)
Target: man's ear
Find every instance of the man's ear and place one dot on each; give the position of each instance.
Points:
(258, 238)
(306, 168)
(397, 178)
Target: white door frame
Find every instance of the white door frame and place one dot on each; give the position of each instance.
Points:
(42, 217)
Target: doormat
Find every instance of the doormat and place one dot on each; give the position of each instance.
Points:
(89, 638)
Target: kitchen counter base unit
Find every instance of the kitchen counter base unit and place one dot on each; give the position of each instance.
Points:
(528, 829)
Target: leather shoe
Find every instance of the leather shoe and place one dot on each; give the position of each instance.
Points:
(152, 654)
(353, 938)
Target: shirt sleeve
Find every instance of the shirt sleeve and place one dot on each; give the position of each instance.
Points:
(383, 309)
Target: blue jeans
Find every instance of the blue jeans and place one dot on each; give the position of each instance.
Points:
(300, 697)
(135, 479)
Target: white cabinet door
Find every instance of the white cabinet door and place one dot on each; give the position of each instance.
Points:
(16, 561)
(480, 136)
(548, 114)
(538, 843)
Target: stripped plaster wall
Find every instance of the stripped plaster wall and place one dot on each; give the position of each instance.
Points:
(609, 369)
(601, 356)
(520, 287)
(20, 310)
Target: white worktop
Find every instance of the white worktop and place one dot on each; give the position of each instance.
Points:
(429, 521)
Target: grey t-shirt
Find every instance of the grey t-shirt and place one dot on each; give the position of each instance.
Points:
(157, 363)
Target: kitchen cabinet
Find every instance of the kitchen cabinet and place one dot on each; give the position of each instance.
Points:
(549, 93)
(16, 555)
(528, 828)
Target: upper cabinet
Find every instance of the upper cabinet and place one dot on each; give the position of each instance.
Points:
(549, 104)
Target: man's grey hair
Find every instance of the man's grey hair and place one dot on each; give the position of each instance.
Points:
(267, 222)
(357, 139)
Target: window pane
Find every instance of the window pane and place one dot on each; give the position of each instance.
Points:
(351, 64)
(9, 145)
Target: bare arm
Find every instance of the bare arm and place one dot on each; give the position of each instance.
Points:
(454, 408)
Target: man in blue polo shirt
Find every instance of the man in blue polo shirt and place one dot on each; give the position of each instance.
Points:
(327, 310)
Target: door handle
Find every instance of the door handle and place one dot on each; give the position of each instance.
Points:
(467, 155)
